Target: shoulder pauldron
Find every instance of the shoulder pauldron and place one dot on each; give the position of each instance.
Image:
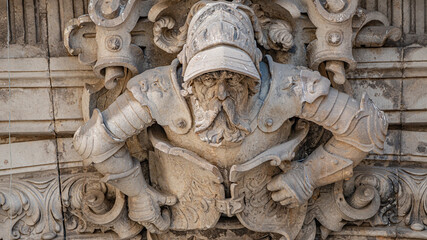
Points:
(290, 87)
(279, 104)
(158, 89)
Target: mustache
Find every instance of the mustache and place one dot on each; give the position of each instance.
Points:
(206, 117)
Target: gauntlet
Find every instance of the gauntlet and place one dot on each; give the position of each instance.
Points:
(296, 186)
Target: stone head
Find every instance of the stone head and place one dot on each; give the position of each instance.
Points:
(220, 106)
(220, 70)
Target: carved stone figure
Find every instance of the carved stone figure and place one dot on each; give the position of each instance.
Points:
(224, 124)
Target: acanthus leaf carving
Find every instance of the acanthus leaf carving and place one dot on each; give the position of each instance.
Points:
(412, 198)
(31, 208)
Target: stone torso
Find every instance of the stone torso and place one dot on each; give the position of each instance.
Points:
(224, 157)
(227, 155)
(211, 181)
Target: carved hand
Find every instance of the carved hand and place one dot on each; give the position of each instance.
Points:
(292, 188)
(145, 209)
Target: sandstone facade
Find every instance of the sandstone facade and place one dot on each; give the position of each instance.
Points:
(268, 175)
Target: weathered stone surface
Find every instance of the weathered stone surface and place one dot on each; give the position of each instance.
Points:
(52, 94)
(27, 157)
(67, 103)
(414, 96)
(414, 143)
(34, 208)
(21, 107)
(67, 156)
(214, 149)
(386, 93)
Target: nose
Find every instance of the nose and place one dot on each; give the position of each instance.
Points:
(222, 92)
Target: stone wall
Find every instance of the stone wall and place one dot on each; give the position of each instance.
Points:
(42, 93)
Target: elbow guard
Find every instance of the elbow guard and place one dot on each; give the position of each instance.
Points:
(361, 125)
(126, 117)
(94, 142)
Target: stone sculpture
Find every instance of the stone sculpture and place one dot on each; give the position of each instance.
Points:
(225, 122)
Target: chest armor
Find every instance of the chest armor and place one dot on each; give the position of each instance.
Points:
(199, 186)
(199, 183)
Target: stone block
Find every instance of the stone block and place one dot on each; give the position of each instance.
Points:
(67, 103)
(385, 93)
(68, 126)
(24, 157)
(67, 156)
(414, 143)
(416, 118)
(414, 94)
(21, 102)
(27, 128)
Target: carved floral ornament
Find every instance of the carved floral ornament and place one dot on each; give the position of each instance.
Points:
(202, 117)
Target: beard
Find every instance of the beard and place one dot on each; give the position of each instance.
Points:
(219, 122)
(220, 103)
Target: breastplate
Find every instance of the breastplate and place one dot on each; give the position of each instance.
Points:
(198, 185)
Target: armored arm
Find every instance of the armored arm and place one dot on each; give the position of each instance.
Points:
(358, 128)
(105, 133)
(101, 141)
(151, 96)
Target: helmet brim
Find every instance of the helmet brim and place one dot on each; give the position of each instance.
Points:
(219, 58)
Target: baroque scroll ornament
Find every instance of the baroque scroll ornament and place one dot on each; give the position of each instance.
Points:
(223, 122)
(32, 209)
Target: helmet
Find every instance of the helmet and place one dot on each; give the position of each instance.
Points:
(220, 37)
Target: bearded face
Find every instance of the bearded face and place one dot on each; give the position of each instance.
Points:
(220, 106)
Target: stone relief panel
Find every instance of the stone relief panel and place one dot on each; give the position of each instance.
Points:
(226, 198)
(31, 208)
(208, 56)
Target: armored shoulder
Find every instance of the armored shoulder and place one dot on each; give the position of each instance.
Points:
(290, 88)
(159, 90)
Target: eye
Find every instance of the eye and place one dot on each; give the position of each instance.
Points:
(209, 82)
(233, 82)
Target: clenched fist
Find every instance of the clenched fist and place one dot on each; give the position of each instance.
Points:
(292, 188)
(145, 209)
